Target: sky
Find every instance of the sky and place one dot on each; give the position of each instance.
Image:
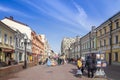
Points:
(60, 18)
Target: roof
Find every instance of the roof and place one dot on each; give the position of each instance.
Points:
(16, 21)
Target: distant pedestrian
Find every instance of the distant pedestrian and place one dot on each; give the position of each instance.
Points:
(79, 63)
(79, 66)
(48, 62)
(90, 64)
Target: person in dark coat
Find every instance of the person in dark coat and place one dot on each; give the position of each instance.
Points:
(90, 64)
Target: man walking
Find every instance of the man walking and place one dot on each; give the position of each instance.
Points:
(90, 64)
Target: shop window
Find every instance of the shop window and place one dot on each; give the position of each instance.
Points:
(20, 57)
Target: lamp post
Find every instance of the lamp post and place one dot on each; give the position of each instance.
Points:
(25, 45)
(80, 48)
(77, 37)
(110, 54)
(90, 42)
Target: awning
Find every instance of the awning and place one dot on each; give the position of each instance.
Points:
(6, 50)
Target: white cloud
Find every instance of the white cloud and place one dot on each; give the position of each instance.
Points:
(10, 10)
(5, 9)
(62, 12)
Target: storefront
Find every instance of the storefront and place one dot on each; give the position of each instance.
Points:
(6, 54)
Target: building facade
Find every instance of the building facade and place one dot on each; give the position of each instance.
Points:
(108, 38)
(65, 45)
(19, 46)
(24, 29)
(7, 47)
(103, 39)
(37, 47)
(85, 44)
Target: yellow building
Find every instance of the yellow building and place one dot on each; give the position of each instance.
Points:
(108, 38)
(6, 42)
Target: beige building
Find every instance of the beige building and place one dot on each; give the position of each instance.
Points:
(85, 44)
(65, 45)
(24, 29)
(108, 38)
(6, 42)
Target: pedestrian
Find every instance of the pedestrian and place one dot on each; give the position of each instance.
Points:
(90, 64)
(48, 62)
(83, 65)
(79, 66)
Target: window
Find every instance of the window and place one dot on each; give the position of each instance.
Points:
(104, 30)
(110, 28)
(104, 42)
(10, 40)
(5, 39)
(110, 41)
(100, 32)
(16, 42)
(100, 43)
(116, 39)
(0, 36)
(20, 57)
(117, 25)
(116, 56)
(92, 44)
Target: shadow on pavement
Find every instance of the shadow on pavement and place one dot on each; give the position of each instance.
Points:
(11, 76)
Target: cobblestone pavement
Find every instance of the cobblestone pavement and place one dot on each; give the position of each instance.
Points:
(42, 72)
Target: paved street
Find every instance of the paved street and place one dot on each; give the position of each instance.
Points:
(113, 72)
(42, 72)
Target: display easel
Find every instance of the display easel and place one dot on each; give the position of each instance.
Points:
(101, 64)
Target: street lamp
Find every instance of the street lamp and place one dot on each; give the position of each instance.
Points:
(80, 48)
(25, 55)
(90, 42)
(77, 41)
(110, 54)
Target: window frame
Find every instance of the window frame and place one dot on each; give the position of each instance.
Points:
(5, 38)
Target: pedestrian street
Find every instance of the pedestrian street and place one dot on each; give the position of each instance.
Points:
(43, 72)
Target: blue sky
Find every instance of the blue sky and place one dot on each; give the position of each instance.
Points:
(60, 18)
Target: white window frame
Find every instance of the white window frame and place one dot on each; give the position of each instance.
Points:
(11, 43)
(5, 39)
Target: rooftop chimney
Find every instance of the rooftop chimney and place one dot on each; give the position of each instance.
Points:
(11, 17)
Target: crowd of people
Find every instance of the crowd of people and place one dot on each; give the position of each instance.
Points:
(87, 65)
(55, 61)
